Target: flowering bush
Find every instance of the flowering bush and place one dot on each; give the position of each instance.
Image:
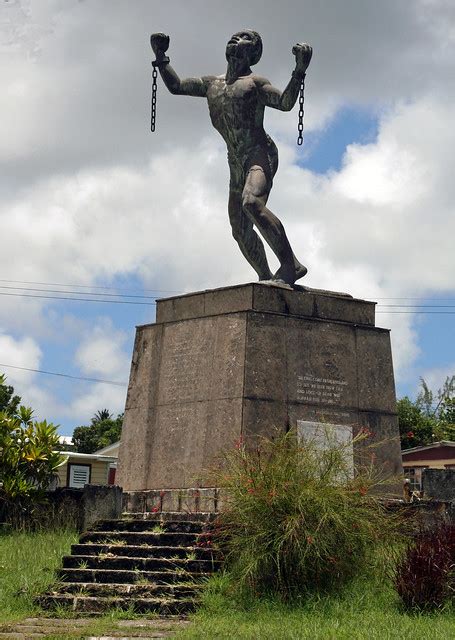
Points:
(296, 519)
(28, 461)
(424, 578)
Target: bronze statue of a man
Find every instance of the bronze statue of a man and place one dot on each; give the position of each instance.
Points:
(236, 103)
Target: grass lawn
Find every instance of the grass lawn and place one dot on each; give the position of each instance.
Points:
(27, 565)
(366, 610)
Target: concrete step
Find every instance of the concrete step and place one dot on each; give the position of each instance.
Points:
(93, 604)
(157, 539)
(155, 565)
(124, 576)
(176, 565)
(82, 627)
(142, 590)
(175, 516)
(181, 526)
(134, 551)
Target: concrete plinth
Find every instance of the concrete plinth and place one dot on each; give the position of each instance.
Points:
(245, 361)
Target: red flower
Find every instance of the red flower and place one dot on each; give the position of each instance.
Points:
(154, 510)
(238, 444)
(410, 434)
(250, 490)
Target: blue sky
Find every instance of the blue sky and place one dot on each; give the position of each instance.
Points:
(91, 199)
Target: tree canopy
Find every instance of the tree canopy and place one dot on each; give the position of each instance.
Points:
(429, 418)
(103, 430)
(8, 401)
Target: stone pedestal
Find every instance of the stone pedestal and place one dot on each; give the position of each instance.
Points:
(245, 361)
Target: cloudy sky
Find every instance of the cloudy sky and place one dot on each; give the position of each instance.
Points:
(94, 206)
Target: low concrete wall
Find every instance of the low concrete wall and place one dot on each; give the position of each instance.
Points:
(78, 508)
(172, 500)
(438, 484)
(100, 502)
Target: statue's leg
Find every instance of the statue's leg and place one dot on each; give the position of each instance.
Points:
(254, 197)
(246, 237)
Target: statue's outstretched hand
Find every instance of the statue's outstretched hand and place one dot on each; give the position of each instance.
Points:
(303, 53)
(160, 44)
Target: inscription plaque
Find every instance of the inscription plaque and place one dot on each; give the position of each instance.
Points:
(324, 435)
(320, 390)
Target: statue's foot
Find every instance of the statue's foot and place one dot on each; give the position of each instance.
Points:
(300, 270)
(291, 273)
(265, 277)
(286, 274)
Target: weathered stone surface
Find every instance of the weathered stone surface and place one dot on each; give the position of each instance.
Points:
(248, 361)
(100, 501)
(266, 298)
(439, 484)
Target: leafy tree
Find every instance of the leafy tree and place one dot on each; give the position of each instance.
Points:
(100, 416)
(102, 430)
(430, 418)
(8, 401)
(28, 462)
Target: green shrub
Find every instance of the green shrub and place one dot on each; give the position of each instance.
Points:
(28, 461)
(295, 520)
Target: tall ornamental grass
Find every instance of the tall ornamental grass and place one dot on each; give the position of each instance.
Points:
(296, 519)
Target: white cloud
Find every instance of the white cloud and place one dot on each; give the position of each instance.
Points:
(22, 352)
(100, 396)
(100, 353)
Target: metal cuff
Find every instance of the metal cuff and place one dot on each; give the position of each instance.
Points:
(298, 75)
(161, 63)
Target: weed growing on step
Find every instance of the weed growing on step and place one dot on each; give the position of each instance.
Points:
(113, 542)
(144, 581)
(296, 520)
(157, 529)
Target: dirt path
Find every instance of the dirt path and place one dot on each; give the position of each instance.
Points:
(90, 629)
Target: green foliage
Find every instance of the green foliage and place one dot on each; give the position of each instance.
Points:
(8, 401)
(27, 565)
(365, 610)
(28, 462)
(103, 430)
(430, 418)
(294, 520)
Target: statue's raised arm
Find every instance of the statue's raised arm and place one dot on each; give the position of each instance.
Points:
(272, 97)
(196, 87)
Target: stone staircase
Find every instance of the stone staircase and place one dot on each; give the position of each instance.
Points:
(155, 565)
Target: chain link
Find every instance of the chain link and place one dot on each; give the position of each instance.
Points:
(301, 112)
(153, 110)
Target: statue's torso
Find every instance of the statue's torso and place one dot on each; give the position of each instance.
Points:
(237, 113)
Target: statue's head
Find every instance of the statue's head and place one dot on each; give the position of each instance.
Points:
(246, 43)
